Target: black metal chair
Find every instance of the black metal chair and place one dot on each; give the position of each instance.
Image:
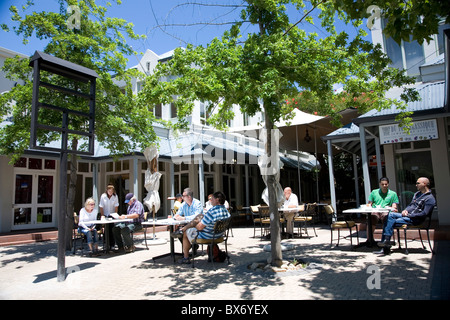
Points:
(232, 215)
(264, 220)
(76, 236)
(221, 229)
(423, 226)
(306, 217)
(340, 224)
(255, 218)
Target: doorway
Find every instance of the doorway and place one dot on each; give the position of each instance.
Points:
(411, 166)
(33, 201)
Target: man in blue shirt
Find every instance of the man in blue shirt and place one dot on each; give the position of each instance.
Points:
(415, 213)
(205, 223)
(190, 207)
(135, 211)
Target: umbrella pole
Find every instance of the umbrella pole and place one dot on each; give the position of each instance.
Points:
(155, 240)
(154, 233)
(317, 174)
(298, 166)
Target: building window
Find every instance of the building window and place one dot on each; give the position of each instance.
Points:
(83, 167)
(245, 119)
(49, 164)
(126, 165)
(35, 163)
(109, 166)
(157, 111)
(441, 38)
(173, 110)
(204, 115)
(21, 163)
(408, 56)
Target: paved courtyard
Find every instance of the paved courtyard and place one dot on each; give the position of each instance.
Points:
(333, 273)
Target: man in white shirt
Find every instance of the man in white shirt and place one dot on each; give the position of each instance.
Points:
(291, 201)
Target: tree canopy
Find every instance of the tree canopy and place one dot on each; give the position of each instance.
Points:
(99, 44)
(275, 65)
(405, 20)
(278, 62)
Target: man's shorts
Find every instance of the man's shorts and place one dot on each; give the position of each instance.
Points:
(191, 233)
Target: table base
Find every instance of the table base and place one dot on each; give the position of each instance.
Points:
(165, 255)
(156, 241)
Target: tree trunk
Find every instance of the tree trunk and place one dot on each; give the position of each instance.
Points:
(71, 190)
(271, 171)
(275, 238)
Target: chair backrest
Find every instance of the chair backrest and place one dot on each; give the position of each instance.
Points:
(76, 219)
(264, 211)
(310, 208)
(329, 209)
(427, 221)
(221, 226)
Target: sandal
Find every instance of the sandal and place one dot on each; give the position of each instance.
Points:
(184, 261)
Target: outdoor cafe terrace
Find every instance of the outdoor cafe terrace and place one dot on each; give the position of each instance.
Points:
(328, 272)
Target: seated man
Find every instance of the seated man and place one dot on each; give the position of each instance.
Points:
(290, 201)
(205, 223)
(190, 208)
(123, 230)
(382, 198)
(415, 213)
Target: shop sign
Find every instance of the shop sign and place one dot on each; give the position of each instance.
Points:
(420, 130)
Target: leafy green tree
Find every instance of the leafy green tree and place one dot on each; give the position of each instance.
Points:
(405, 20)
(99, 44)
(270, 66)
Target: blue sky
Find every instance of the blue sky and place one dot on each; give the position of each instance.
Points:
(146, 15)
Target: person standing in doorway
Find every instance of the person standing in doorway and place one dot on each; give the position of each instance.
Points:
(109, 203)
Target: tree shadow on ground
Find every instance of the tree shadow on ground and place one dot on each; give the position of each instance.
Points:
(185, 278)
(32, 252)
(350, 274)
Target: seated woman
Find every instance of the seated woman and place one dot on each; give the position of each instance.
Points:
(89, 213)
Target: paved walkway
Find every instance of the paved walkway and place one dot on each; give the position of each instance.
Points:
(334, 273)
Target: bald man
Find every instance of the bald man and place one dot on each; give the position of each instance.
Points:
(415, 213)
(290, 201)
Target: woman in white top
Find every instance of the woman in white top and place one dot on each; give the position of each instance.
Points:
(89, 213)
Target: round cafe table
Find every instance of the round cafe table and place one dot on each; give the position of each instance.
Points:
(370, 242)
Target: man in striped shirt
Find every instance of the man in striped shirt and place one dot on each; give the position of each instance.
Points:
(205, 224)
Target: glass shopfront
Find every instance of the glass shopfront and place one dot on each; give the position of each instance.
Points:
(34, 192)
(412, 160)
